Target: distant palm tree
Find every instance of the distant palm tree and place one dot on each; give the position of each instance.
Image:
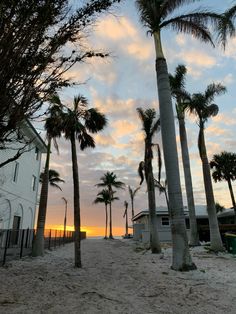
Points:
(104, 197)
(132, 194)
(78, 122)
(224, 169)
(126, 218)
(150, 126)
(219, 208)
(158, 15)
(53, 131)
(177, 85)
(109, 180)
(54, 178)
(201, 105)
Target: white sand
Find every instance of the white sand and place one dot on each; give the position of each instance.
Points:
(117, 279)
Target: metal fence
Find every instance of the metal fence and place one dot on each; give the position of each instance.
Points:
(15, 244)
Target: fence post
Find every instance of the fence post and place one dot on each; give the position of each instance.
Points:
(5, 248)
(55, 242)
(27, 238)
(22, 242)
(49, 240)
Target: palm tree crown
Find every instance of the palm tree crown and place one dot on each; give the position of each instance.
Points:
(54, 178)
(224, 166)
(109, 180)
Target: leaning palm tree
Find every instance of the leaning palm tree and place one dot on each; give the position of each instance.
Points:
(53, 179)
(224, 169)
(79, 121)
(177, 85)
(201, 105)
(104, 197)
(53, 131)
(157, 15)
(132, 194)
(150, 126)
(109, 180)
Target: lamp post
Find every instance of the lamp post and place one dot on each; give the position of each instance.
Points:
(65, 200)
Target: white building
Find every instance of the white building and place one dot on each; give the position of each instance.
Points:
(19, 182)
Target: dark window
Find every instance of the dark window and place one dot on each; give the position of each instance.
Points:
(16, 171)
(36, 153)
(165, 221)
(33, 184)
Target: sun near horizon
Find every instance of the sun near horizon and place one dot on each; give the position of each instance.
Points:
(91, 231)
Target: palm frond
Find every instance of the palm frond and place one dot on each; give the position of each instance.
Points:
(80, 101)
(168, 7)
(85, 140)
(182, 25)
(140, 171)
(94, 120)
(226, 26)
(213, 90)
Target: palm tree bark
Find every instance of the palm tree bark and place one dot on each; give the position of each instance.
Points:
(76, 202)
(38, 245)
(154, 237)
(232, 198)
(110, 231)
(194, 237)
(216, 242)
(181, 259)
(106, 221)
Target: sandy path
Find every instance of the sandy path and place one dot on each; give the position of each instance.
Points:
(117, 279)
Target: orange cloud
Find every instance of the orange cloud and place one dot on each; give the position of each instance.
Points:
(123, 127)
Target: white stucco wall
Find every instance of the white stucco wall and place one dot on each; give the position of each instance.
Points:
(18, 198)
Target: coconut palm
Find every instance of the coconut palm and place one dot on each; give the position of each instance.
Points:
(177, 85)
(79, 122)
(53, 131)
(109, 180)
(132, 194)
(201, 105)
(224, 169)
(150, 125)
(157, 15)
(104, 197)
(53, 178)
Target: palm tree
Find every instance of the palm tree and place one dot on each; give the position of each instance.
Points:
(79, 121)
(177, 85)
(224, 169)
(157, 15)
(104, 197)
(132, 194)
(53, 131)
(150, 126)
(201, 105)
(53, 178)
(109, 180)
(126, 218)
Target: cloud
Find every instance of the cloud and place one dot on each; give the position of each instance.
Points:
(123, 128)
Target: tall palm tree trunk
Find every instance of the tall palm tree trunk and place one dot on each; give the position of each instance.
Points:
(110, 231)
(38, 245)
(76, 202)
(126, 224)
(154, 237)
(232, 198)
(181, 259)
(106, 221)
(194, 237)
(216, 242)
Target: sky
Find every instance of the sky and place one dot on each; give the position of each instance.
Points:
(117, 86)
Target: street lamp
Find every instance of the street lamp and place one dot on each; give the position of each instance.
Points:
(65, 200)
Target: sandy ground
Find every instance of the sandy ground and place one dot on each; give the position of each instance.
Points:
(117, 277)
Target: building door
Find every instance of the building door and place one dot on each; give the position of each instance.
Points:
(15, 229)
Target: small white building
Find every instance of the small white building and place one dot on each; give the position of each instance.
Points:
(141, 223)
(19, 181)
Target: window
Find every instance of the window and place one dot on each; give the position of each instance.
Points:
(36, 153)
(33, 184)
(15, 171)
(165, 221)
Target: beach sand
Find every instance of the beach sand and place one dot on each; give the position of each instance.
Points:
(118, 277)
